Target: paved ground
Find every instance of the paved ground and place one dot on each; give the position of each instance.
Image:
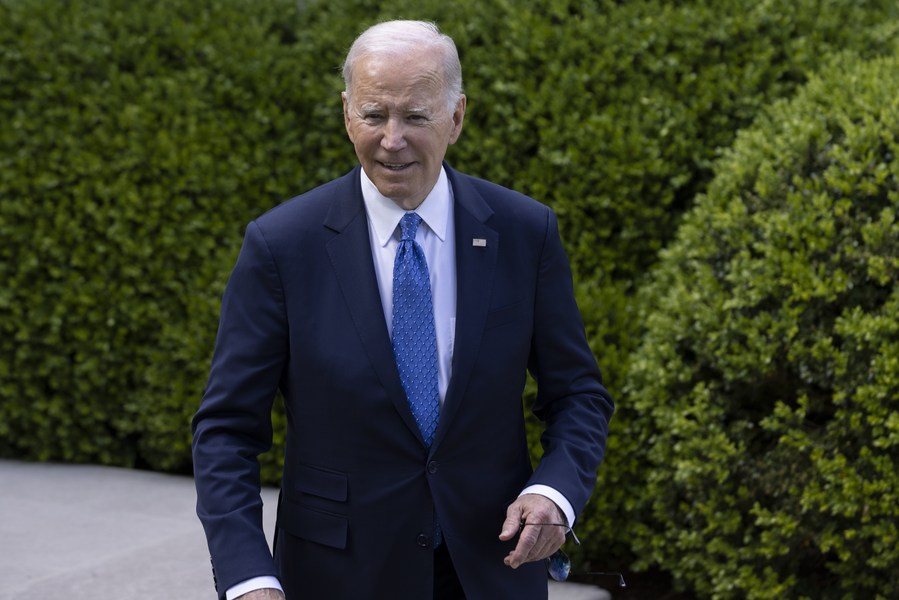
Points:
(75, 532)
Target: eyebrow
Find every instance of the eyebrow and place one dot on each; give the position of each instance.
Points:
(369, 107)
(374, 107)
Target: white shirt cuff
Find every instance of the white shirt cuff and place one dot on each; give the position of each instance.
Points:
(250, 585)
(554, 495)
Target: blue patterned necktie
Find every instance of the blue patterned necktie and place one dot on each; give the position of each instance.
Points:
(414, 337)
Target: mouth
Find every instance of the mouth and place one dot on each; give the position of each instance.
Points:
(395, 166)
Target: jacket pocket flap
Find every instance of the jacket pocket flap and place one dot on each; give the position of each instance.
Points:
(313, 525)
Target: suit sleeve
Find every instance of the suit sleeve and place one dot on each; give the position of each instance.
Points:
(233, 424)
(571, 399)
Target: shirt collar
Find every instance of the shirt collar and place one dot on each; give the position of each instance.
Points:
(385, 214)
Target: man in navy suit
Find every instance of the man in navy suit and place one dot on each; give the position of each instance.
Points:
(378, 501)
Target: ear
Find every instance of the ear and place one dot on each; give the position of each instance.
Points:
(458, 119)
(346, 115)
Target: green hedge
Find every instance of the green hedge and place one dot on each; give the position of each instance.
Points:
(138, 138)
(767, 386)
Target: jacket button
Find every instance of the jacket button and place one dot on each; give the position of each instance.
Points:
(423, 541)
(432, 467)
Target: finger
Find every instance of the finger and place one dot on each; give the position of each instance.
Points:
(526, 542)
(512, 523)
(536, 543)
(548, 541)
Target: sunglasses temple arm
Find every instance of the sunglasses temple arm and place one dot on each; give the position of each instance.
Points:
(621, 581)
(574, 536)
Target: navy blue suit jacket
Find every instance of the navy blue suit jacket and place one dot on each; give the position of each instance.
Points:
(360, 490)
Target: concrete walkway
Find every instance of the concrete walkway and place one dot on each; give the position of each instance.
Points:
(79, 532)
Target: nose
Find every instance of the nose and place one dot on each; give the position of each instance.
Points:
(393, 138)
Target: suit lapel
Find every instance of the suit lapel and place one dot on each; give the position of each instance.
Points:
(477, 247)
(350, 254)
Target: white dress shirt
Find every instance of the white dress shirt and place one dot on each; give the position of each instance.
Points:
(438, 241)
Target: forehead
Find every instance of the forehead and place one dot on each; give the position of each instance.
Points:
(397, 80)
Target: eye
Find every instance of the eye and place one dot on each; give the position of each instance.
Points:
(372, 117)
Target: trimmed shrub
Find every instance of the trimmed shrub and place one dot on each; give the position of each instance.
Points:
(138, 138)
(766, 389)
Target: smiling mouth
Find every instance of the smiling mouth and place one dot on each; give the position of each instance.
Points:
(395, 166)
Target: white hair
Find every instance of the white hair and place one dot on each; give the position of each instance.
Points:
(400, 38)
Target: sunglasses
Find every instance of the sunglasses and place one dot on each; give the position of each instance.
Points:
(559, 565)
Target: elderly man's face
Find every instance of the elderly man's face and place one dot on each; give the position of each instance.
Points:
(397, 118)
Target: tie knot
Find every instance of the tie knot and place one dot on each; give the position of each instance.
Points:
(408, 226)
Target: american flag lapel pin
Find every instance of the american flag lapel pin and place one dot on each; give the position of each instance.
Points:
(479, 242)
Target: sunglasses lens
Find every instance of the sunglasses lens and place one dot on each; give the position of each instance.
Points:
(558, 565)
